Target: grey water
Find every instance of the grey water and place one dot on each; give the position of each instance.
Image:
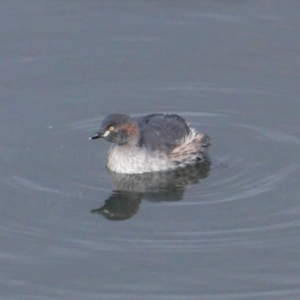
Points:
(71, 230)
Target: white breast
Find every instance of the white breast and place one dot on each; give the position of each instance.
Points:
(129, 159)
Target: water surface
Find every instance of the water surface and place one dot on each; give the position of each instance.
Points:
(230, 231)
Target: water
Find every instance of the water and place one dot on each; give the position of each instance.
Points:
(229, 232)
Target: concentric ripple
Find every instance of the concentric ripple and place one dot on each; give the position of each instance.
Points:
(247, 159)
(238, 202)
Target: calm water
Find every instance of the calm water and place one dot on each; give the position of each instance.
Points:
(227, 231)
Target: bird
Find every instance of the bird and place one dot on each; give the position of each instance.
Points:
(152, 143)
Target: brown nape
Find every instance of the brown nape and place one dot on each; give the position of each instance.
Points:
(132, 129)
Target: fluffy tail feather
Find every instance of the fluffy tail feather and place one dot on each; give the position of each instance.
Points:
(193, 149)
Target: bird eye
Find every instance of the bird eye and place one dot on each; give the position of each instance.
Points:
(111, 128)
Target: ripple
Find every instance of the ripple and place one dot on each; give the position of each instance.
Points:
(239, 186)
(248, 165)
(230, 211)
(31, 185)
(86, 125)
(209, 241)
(280, 137)
(237, 173)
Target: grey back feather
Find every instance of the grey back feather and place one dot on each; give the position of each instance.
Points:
(162, 131)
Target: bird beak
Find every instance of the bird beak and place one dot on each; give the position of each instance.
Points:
(96, 136)
(100, 134)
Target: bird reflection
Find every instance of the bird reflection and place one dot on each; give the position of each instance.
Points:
(130, 189)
